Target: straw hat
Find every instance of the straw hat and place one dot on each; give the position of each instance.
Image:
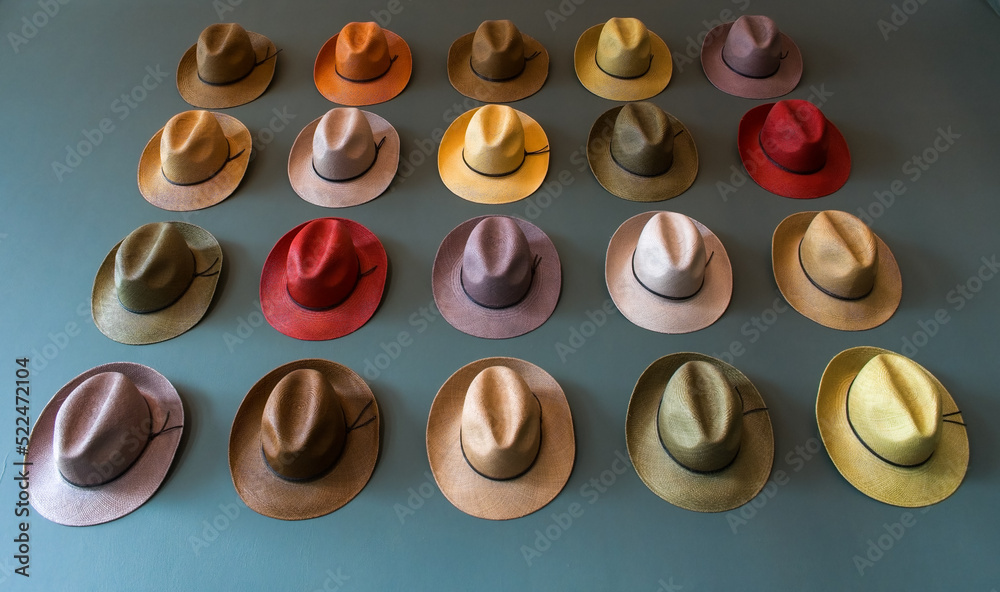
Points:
(698, 433)
(364, 64)
(497, 63)
(104, 444)
(891, 428)
(751, 58)
(500, 438)
(621, 60)
(229, 66)
(304, 441)
(834, 270)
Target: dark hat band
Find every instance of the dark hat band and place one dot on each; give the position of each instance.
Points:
(524, 64)
(775, 163)
(196, 274)
(722, 54)
(522, 473)
(235, 80)
(524, 157)
(675, 298)
(208, 178)
(824, 290)
(630, 171)
(644, 72)
(378, 147)
(391, 61)
(534, 265)
(361, 274)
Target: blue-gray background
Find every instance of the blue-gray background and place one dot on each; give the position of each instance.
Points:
(930, 68)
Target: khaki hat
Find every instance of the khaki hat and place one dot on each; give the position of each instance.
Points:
(500, 438)
(698, 433)
(497, 63)
(621, 60)
(229, 66)
(751, 58)
(363, 64)
(891, 428)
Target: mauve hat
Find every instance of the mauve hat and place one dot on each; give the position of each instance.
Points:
(500, 438)
(304, 441)
(104, 444)
(790, 149)
(363, 64)
(751, 58)
(622, 60)
(323, 279)
(640, 152)
(668, 273)
(496, 277)
(344, 158)
(229, 66)
(497, 63)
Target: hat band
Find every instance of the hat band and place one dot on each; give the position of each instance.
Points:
(611, 150)
(784, 168)
(675, 298)
(824, 290)
(461, 446)
(208, 178)
(378, 146)
(619, 77)
(524, 64)
(179, 296)
(534, 264)
(235, 80)
(361, 274)
(524, 157)
(722, 54)
(376, 77)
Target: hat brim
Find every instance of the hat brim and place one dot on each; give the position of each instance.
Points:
(266, 493)
(653, 312)
(291, 319)
(728, 81)
(185, 198)
(63, 503)
(471, 186)
(220, 96)
(847, 315)
(467, 316)
(914, 487)
(721, 490)
(341, 194)
(358, 94)
(606, 86)
(621, 183)
(527, 83)
(476, 495)
(771, 177)
(139, 329)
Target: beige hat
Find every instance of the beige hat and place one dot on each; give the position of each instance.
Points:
(229, 66)
(621, 60)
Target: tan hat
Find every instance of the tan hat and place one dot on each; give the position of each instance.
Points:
(229, 66)
(698, 433)
(891, 428)
(497, 63)
(621, 60)
(500, 438)
(834, 270)
(363, 64)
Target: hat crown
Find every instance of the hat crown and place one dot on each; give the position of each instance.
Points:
(643, 139)
(894, 407)
(670, 257)
(700, 419)
(100, 430)
(839, 253)
(224, 53)
(753, 46)
(362, 51)
(343, 145)
(303, 430)
(497, 263)
(322, 266)
(794, 136)
(501, 424)
(623, 48)
(494, 140)
(153, 267)
(497, 50)
(193, 148)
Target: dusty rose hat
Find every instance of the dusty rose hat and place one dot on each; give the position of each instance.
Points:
(229, 66)
(751, 58)
(363, 64)
(497, 63)
(622, 60)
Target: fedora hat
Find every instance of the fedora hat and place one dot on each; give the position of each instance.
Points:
(323, 279)
(496, 277)
(751, 58)
(344, 158)
(497, 63)
(668, 273)
(195, 161)
(500, 438)
(229, 66)
(156, 283)
(622, 60)
(698, 433)
(304, 441)
(640, 152)
(363, 64)
(791, 149)
(493, 154)
(891, 428)
(834, 270)
(104, 443)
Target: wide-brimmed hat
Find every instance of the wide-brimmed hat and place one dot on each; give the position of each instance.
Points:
(195, 161)
(642, 153)
(698, 433)
(304, 441)
(104, 443)
(622, 60)
(344, 158)
(668, 273)
(493, 154)
(229, 66)
(891, 428)
(500, 438)
(156, 283)
(363, 64)
(323, 279)
(790, 149)
(497, 63)
(496, 277)
(751, 58)
(834, 270)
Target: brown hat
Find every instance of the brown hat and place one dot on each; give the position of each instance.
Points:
(640, 152)
(497, 63)
(500, 438)
(364, 64)
(834, 270)
(304, 441)
(229, 66)
(622, 60)
(751, 58)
